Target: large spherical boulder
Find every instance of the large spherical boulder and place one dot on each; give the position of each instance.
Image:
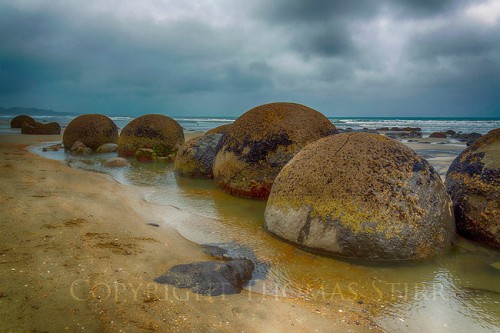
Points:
(473, 181)
(196, 157)
(260, 142)
(18, 121)
(361, 195)
(93, 130)
(160, 133)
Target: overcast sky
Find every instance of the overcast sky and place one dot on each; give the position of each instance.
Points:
(223, 57)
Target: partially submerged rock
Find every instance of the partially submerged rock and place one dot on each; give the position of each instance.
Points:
(146, 155)
(79, 148)
(260, 142)
(116, 162)
(210, 277)
(54, 147)
(438, 135)
(398, 129)
(403, 134)
(468, 138)
(473, 181)
(93, 130)
(52, 128)
(160, 133)
(361, 196)
(196, 157)
(106, 148)
(18, 121)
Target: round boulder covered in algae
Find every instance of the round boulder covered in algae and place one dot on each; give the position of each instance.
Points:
(196, 157)
(361, 195)
(93, 130)
(260, 142)
(160, 133)
(473, 182)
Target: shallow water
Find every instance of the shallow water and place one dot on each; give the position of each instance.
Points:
(455, 292)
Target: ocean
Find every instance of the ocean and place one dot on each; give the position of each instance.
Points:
(427, 124)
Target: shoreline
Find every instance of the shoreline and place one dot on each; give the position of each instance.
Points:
(77, 253)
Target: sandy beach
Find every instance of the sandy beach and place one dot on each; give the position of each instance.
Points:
(77, 253)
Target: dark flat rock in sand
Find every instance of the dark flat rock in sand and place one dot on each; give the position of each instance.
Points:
(210, 277)
(232, 251)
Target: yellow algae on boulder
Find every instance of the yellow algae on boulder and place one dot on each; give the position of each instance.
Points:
(160, 133)
(473, 181)
(260, 142)
(93, 130)
(361, 195)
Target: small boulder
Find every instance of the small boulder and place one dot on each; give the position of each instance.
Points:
(412, 129)
(55, 147)
(438, 135)
(52, 128)
(473, 181)
(106, 148)
(468, 138)
(196, 157)
(146, 155)
(79, 148)
(450, 132)
(116, 162)
(403, 135)
(93, 130)
(364, 196)
(18, 121)
(210, 277)
(160, 133)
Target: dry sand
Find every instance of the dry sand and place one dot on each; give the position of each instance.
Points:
(76, 253)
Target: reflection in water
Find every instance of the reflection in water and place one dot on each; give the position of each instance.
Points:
(456, 292)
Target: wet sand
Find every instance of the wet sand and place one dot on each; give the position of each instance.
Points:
(439, 152)
(77, 253)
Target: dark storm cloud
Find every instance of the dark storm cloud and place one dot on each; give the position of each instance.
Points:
(24, 60)
(455, 40)
(229, 56)
(426, 8)
(317, 28)
(311, 12)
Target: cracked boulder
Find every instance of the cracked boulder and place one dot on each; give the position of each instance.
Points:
(364, 196)
(260, 142)
(473, 181)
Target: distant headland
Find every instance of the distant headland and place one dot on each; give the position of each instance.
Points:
(14, 111)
